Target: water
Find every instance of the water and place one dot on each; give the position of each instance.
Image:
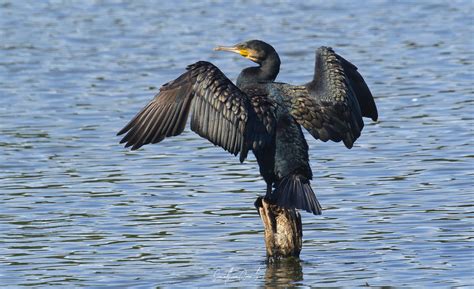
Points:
(79, 210)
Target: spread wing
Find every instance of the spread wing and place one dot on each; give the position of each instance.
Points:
(331, 106)
(359, 88)
(220, 112)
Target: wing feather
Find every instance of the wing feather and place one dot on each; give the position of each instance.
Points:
(332, 105)
(360, 89)
(220, 112)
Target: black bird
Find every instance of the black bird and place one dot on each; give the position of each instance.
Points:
(261, 115)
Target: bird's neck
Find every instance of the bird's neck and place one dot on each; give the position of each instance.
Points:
(266, 71)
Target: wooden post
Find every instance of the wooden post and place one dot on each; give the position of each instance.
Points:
(283, 230)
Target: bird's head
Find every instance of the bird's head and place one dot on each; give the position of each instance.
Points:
(255, 50)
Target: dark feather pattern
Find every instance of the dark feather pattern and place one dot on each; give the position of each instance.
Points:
(294, 191)
(331, 106)
(262, 115)
(220, 112)
(360, 89)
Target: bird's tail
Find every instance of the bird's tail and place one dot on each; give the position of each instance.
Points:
(294, 191)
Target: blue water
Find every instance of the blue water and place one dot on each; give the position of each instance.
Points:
(80, 210)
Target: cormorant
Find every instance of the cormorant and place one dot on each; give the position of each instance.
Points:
(261, 115)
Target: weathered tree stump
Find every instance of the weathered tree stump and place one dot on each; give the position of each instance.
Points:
(283, 230)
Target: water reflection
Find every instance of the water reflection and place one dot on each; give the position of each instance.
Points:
(283, 273)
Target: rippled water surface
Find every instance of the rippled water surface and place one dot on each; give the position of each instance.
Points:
(80, 210)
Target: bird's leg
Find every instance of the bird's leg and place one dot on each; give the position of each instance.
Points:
(268, 195)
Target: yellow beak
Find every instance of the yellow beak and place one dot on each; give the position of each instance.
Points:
(247, 53)
(234, 49)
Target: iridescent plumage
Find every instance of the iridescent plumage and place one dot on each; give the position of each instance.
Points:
(262, 116)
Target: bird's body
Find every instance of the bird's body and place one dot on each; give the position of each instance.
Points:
(284, 161)
(262, 116)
